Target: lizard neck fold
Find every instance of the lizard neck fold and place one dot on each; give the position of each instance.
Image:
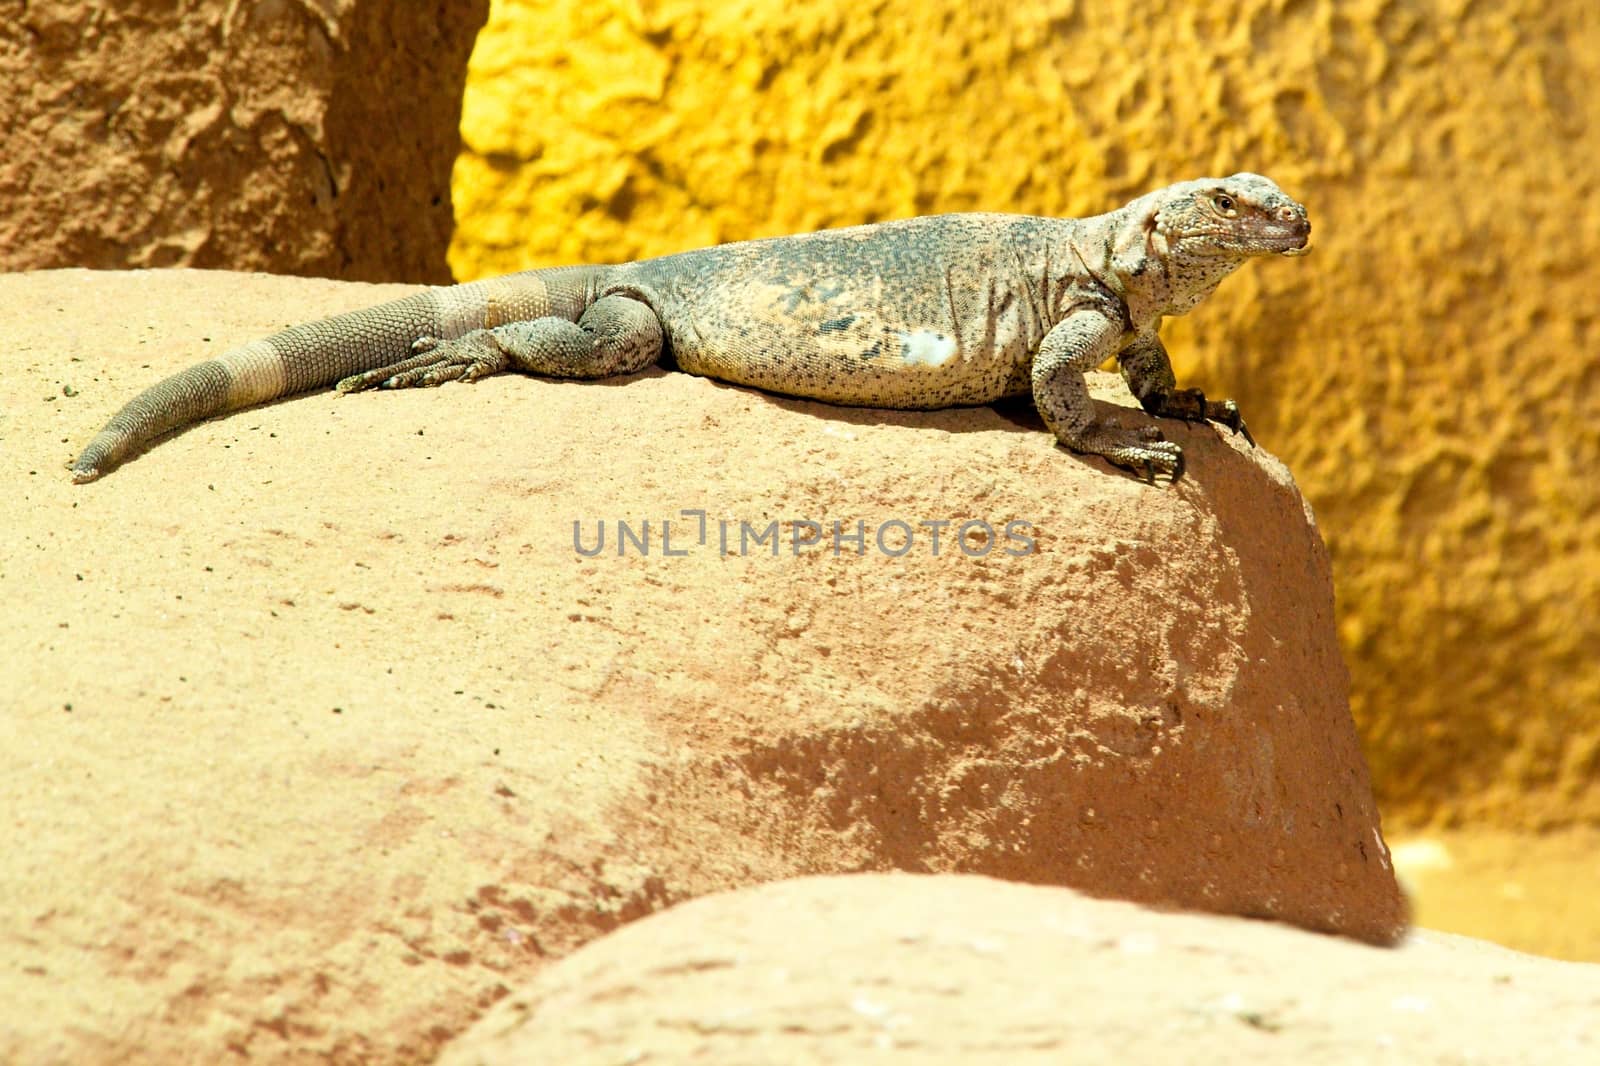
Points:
(1114, 263)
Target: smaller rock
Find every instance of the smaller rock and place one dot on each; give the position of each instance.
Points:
(959, 969)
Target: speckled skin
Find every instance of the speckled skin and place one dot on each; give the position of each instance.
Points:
(920, 313)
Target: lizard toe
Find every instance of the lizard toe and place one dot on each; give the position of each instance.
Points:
(1226, 413)
(359, 382)
(426, 377)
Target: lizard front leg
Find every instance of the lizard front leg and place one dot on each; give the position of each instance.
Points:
(616, 335)
(1148, 372)
(1081, 341)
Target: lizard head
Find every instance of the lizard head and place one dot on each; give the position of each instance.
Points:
(1239, 217)
(1200, 232)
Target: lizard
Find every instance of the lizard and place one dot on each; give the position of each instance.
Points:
(921, 313)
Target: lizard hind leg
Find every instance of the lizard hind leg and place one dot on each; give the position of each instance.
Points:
(616, 335)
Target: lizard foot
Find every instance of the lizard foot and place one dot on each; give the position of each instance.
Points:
(1191, 405)
(433, 362)
(1146, 452)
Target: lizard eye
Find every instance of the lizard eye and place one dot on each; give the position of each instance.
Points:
(1224, 204)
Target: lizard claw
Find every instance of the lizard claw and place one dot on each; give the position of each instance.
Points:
(1149, 469)
(1167, 461)
(1227, 412)
(1145, 452)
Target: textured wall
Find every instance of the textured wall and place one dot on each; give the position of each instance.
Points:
(286, 135)
(1430, 373)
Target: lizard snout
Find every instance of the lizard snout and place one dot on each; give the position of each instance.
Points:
(1294, 217)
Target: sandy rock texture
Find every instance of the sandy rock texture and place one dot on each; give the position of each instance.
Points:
(1431, 373)
(286, 135)
(327, 737)
(903, 969)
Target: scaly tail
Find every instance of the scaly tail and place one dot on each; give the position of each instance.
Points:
(321, 353)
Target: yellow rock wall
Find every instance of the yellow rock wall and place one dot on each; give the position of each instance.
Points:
(1430, 373)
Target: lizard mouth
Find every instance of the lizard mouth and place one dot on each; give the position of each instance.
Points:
(1298, 241)
(1285, 231)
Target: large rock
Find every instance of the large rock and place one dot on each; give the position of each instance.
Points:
(1430, 373)
(327, 736)
(965, 970)
(283, 135)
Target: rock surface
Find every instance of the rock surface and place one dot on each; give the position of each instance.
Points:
(297, 137)
(328, 737)
(1431, 373)
(896, 968)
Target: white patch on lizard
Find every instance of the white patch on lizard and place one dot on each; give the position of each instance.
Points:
(924, 347)
(255, 373)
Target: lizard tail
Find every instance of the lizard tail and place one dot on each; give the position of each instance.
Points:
(319, 354)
